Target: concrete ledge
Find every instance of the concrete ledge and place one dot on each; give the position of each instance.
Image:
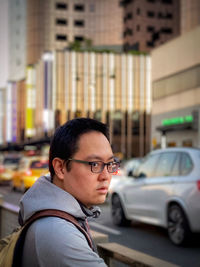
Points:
(99, 237)
(109, 251)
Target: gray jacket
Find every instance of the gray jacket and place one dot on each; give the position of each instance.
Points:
(52, 241)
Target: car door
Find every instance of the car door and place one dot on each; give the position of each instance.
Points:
(134, 193)
(159, 187)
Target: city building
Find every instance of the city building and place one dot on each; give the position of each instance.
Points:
(150, 23)
(190, 15)
(176, 92)
(111, 87)
(4, 67)
(17, 39)
(119, 25)
(55, 24)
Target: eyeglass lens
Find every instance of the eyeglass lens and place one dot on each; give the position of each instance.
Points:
(99, 166)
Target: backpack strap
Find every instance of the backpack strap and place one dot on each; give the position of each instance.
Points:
(17, 258)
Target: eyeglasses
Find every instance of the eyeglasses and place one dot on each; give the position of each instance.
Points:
(98, 166)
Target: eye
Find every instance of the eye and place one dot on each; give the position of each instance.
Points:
(95, 164)
(110, 164)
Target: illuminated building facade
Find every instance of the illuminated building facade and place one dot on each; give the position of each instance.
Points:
(110, 87)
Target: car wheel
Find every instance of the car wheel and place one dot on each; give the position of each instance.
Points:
(117, 212)
(178, 228)
(14, 188)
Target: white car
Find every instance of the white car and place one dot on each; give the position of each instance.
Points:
(165, 191)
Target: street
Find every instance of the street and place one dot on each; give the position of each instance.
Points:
(144, 238)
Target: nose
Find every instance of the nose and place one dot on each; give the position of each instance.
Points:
(105, 175)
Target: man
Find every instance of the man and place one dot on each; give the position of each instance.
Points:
(81, 164)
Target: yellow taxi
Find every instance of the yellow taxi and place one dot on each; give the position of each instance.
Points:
(30, 169)
(8, 164)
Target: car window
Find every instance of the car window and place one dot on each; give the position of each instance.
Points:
(147, 168)
(37, 164)
(165, 164)
(8, 161)
(186, 164)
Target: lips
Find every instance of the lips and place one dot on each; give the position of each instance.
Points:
(103, 190)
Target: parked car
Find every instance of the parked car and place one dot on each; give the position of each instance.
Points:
(30, 169)
(8, 165)
(165, 191)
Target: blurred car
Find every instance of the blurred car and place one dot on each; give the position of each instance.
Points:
(165, 191)
(8, 165)
(30, 169)
(125, 171)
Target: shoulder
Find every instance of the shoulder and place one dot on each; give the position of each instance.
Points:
(61, 242)
(56, 230)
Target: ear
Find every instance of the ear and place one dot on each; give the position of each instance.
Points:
(58, 167)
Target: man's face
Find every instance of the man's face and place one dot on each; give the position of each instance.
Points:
(88, 187)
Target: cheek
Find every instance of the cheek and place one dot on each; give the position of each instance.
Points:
(83, 180)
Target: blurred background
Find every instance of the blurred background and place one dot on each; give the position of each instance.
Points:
(132, 64)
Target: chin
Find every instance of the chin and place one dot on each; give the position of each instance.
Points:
(101, 200)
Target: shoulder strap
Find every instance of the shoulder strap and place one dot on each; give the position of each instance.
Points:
(44, 213)
(63, 215)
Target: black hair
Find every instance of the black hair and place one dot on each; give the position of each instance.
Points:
(64, 143)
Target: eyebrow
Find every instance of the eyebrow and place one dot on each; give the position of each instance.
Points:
(96, 157)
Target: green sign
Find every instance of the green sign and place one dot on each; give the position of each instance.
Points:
(177, 120)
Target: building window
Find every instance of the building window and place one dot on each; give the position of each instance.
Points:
(79, 7)
(61, 37)
(150, 28)
(138, 28)
(129, 16)
(78, 38)
(128, 31)
(151, 1)
(135, 46)
(61, 5)
(79, 23)
(138, 11)
(61, 21)
(167, 1)
(150, 44)
(169, 16)
(187, 143)
(166, 30)
(150, 14)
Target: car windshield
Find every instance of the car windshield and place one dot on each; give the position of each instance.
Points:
(8, 161)
(37, 164)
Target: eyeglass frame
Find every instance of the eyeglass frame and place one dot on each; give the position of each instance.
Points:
(92, 162)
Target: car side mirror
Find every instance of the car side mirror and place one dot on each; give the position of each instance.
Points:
(130, 173)
(142, 175)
